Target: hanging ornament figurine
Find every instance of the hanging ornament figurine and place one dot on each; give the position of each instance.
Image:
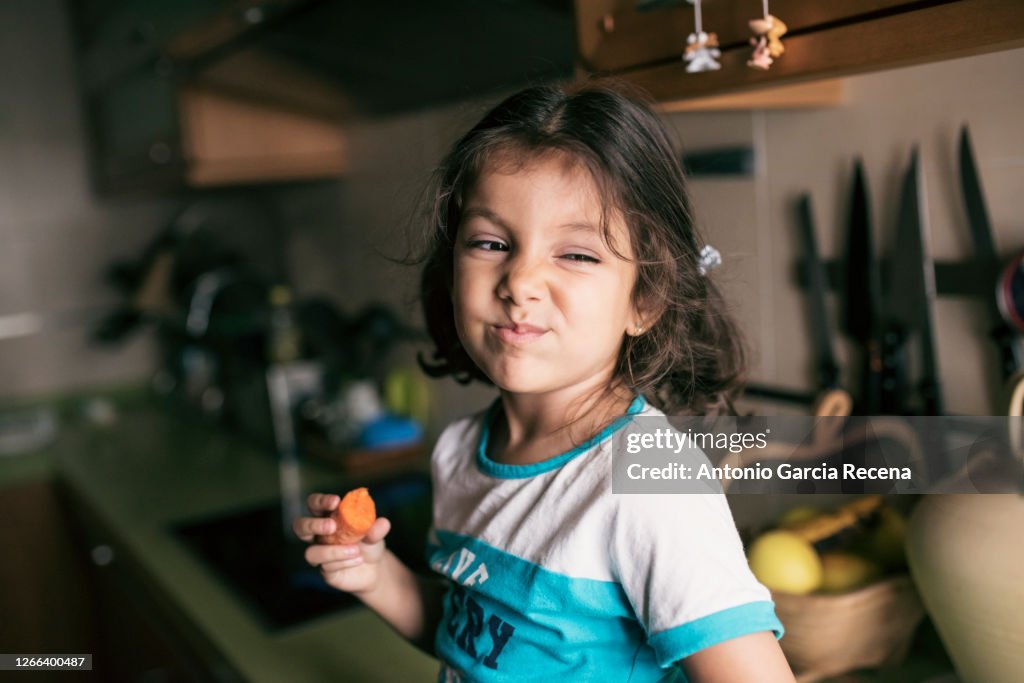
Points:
(767, 46)
(701, 48)
(701, 52)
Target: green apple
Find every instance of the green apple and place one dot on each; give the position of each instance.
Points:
(843, 572)
(784, 562)
(794, 516)
(885, 542)
(406, 393)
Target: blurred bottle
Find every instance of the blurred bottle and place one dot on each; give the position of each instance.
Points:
(285, 338)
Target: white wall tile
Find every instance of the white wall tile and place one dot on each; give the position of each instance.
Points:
(55, 236)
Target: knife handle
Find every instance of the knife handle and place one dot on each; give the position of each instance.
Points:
(1010, 357)
(871, 378)
(894, 363)
(931, 397)
(832, 403)
(1014, 410)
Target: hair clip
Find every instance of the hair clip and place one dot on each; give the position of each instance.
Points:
(710, 258)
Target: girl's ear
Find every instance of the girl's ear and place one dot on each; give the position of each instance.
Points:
(645, 315)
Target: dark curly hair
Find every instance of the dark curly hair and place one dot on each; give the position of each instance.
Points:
(691, 360)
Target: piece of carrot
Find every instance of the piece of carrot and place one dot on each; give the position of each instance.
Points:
(353, 518)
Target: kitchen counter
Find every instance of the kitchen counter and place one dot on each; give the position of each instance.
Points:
(152, 469)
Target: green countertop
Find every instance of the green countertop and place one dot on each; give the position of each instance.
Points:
(22, 469)
(153, 469)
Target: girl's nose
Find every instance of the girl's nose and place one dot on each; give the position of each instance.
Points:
(523, 280)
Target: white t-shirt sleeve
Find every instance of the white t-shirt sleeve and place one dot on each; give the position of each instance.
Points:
(681, 564)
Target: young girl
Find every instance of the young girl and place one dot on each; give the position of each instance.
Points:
(564, 268)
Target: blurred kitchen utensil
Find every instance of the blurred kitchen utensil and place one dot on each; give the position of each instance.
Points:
(832, 400)
(1002, 309)
(862, 295)
(909, 304)
(827, 368)
(288, 384)
(911, 290)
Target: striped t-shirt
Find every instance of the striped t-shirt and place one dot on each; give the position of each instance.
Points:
(552, 577)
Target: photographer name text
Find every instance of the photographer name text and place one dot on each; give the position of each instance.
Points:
(847, 471)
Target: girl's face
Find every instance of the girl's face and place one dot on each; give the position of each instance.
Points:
(541, 302)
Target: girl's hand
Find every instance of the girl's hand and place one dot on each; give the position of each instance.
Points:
(351, 568)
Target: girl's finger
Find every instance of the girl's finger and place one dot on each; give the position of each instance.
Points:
(319, 503)
(321, 554)
(308, 527)
(381, 527)
(338, 565)
(300, 529)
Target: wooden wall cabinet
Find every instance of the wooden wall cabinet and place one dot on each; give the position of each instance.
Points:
(826, 41)
(162, 135)
(229, 139)
(166, 110)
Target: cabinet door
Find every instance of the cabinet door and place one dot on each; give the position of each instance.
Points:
(136, 132)
(133, 647)
(46, 604)
(139, 633)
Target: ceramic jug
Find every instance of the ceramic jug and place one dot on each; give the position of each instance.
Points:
(966, 555)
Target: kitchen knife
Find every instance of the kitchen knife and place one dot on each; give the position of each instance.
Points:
(828, 370)
(831, 400)
(912, 282)
(861, 315)
(977, 214)
(909, 304)
(1006, 341)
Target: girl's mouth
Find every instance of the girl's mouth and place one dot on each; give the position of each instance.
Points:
(518, 334)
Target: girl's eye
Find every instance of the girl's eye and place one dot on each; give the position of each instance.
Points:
(581, 258)
(488, 245)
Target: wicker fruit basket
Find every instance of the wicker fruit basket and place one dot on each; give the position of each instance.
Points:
(827, 635)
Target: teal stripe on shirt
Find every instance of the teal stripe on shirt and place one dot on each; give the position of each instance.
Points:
(504, 471)
(682, 641)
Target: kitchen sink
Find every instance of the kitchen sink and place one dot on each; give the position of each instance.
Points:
(265, 568)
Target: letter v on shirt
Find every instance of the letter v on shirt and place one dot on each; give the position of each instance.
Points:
(462, 562)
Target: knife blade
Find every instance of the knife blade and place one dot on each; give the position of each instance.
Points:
(912, 275)
(1005, 339)
(828, 369)
(930, 386)
(907, 279)
(910, 303)
(862, 291)
(977, 214)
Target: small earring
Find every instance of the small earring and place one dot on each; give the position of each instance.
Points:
(639, 329)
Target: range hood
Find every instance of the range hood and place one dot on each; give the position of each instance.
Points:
(389, 57)
(205, 93)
